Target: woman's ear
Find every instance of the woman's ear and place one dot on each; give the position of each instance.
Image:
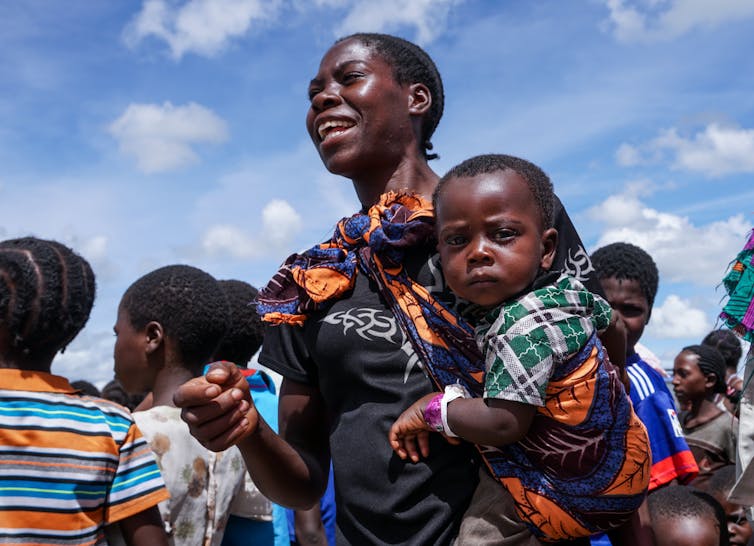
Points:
(155, 335)
(549, 246)
(710, 380)
(419, 99)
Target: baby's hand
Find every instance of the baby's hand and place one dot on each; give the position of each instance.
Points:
(410, 430)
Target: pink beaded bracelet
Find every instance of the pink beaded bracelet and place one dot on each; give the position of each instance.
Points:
(433, 413)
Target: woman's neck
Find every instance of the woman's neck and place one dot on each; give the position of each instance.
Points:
(410, 175)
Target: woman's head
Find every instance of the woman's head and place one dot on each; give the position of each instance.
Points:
(728, 344)
(46, 295)
(375, 99)
(411, 64)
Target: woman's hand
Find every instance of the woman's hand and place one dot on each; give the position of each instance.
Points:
(217, 407)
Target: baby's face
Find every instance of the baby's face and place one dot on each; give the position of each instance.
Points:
(689, 531)
(490, 237)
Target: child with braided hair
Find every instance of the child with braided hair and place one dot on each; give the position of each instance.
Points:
(698, 375)
(70, 464)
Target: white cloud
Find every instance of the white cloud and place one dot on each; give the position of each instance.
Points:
(160, 137)
(89, 357)
(655, 20)
(716, 151)
(280, 224)
(627, 155)
(204, 27)
(428, 17)
(673, 241)
(677, 318)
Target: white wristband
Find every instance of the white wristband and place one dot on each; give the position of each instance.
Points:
(451, 393)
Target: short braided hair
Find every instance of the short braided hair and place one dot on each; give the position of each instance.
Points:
(624, 261)
(410, 64)
(46, 295)
(188, 303)
(539, 183)
(244, 337)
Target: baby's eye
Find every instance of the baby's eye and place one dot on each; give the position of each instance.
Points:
(503, 234)
(455, 240)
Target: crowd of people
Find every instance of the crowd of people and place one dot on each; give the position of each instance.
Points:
(496, 393)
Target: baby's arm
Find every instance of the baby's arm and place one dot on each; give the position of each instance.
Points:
(486, 422)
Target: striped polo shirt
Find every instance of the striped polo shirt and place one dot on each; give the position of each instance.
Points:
(69, 464)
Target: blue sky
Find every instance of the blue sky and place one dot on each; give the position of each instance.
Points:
(157, 132)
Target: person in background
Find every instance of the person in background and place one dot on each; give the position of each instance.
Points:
(710, 431)
(729, 346)
(253, 518)
(169, 322)
(85, 387)
(71, 465)
(719, 485)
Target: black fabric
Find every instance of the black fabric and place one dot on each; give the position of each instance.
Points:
(571, 256)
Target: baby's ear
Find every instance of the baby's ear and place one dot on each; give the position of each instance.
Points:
(155, 335)
(549, 243)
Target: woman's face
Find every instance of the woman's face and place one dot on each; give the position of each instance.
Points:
(359, 116)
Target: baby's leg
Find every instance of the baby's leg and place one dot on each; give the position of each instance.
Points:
(491, 518)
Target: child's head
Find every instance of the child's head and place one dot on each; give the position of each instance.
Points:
(698, 373)
(679, 515)
(629, 277)
(46, 295)
(719, 486)
(173, 316)
(244, 337)
(494, 227)
(728, 344)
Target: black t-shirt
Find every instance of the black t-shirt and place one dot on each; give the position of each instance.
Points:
(368, 374)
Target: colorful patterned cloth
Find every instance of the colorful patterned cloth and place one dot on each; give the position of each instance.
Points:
(738, 313)
(375, 243)
(583, 466)
(69, 464)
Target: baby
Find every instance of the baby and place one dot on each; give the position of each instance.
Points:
(554, 425)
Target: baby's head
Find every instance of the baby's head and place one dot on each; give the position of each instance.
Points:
(698, 373)
(245, 334)
(629, 277)
(681, 515)
(46, 295)
(494, 227)
(175, 315)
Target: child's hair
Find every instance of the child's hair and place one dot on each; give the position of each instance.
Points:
(627, 262)
(675, 502)
(46, 294)
(410, 64)
(188, 303)
(727, 343)
(244, 337)
(85, 387)
(115, 392)
(710, 361)
(539, 183)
